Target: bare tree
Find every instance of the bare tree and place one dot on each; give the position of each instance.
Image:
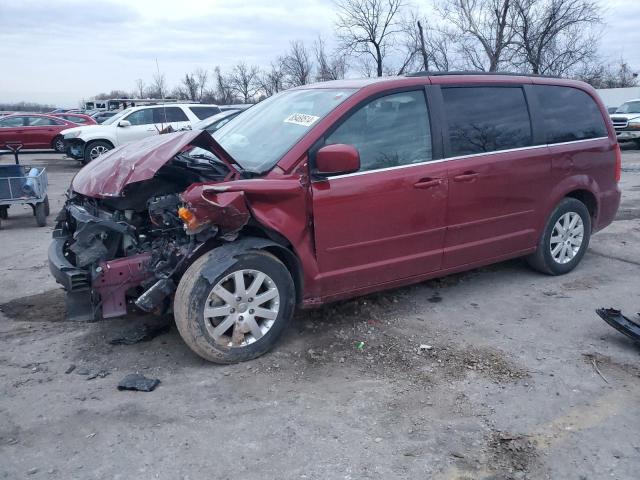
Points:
(598, 75)
(367, 28)
(140, 88)
(297, 64)
(201, 76)
(485, 28)
(553, 36)
(243, 81)
(272, 81)
(191, 87)
(158, 87)
(424, 47)
(223, 91)
(330, 66)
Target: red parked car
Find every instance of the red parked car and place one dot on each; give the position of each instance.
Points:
(329, 191)
(34, 131)
(77, 118)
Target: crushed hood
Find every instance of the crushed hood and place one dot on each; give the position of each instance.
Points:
(109, 174)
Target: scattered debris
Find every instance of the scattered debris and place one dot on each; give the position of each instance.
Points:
(513, 452)
(621, 323)
(90, 373)
(425, 347)
(360, 346)
(70, 369)
(140, 383)
(595, 366)
(140, 333)
(435, 298)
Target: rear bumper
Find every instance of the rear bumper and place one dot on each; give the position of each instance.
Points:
(609, 203)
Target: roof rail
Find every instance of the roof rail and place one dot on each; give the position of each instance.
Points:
(472, 72)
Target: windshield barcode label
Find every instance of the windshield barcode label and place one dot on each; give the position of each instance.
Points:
(301, 119)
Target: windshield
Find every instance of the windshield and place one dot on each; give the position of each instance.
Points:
(258, 138)
(629, 107)
(116, 117)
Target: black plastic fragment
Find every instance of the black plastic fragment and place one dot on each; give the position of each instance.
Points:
(140, 333)
(621, 323)
(140, 383)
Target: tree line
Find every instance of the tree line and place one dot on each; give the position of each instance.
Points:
(391, 37)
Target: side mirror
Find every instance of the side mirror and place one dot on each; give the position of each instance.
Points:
(337, 159)
(124, 123)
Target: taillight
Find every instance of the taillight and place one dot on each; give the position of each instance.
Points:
(618, 162)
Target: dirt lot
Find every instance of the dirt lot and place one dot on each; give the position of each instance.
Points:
(520, 380)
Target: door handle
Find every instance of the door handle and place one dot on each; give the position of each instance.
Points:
(427, 182)
(466, 177)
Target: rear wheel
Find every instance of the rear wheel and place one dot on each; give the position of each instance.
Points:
(4, 213)
(47, 209)
(565, 238)
(58, 144)
(40, 211)
(238, 315)
(94, 149)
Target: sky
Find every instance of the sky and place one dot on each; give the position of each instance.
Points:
(61, 51)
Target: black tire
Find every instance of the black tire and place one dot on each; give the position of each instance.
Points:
(637, 143)
(92, 147)
(58, 144)
(192, 294)
(47, 208)
(542, 260)
(41, 214)
(4, 213)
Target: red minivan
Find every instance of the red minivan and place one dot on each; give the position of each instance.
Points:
(333, 190)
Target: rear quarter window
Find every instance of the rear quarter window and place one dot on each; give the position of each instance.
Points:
(486, 119)
(569, 114)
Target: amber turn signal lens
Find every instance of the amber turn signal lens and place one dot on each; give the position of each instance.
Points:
(186, 215)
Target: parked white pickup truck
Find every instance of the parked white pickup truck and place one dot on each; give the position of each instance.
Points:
(626, 121)
(86, 143)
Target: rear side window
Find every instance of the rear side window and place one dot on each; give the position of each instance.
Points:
(204, 112)
(169, 115)
(42, 122)
(389, 131)
(76, 119)
(486, 119)
(569, 114)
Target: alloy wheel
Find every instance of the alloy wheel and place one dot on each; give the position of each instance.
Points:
(566, 237)
(241, 308)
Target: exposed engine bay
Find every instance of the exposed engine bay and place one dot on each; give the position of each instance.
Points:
(134, 245)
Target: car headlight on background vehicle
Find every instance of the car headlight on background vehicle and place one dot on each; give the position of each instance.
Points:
(72, 135)
(634, 125)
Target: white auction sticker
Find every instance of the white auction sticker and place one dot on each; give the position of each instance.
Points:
(301, 119)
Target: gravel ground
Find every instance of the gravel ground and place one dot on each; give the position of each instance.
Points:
(517, 377)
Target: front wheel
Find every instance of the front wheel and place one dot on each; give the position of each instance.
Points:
(94, 149)
(58, 144)
(565, 239)
(238, 315)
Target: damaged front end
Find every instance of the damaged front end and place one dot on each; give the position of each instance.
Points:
(126, 233)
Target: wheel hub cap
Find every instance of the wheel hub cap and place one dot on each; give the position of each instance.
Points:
(241, 308)
(566, 237)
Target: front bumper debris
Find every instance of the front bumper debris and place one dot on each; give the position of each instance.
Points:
(621, 323)
(627, 135)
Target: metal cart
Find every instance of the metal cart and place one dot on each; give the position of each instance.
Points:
(21, 184)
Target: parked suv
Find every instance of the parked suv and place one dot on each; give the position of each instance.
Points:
(86, 143)
(626, 121)
(334, 190)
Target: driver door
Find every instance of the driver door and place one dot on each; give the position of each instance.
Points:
(142, 126)
(387, 221)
